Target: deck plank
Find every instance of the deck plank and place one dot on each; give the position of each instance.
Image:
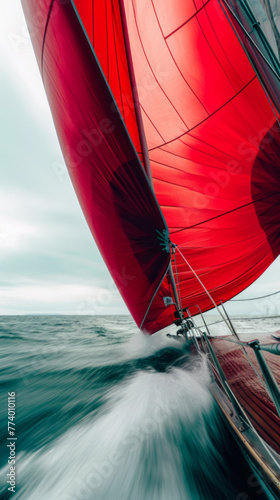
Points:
(248, 388)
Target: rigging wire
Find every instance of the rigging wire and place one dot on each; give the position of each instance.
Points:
(231, 329)
(205, 289)
(177, 278)
(241, 318)
(255, 298)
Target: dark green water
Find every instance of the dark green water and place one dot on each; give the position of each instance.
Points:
(104, 413)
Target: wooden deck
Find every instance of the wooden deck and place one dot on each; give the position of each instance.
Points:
(248, 388)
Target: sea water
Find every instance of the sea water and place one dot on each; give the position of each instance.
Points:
(104, 413)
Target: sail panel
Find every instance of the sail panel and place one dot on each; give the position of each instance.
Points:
(212, 135)
(109, 180)
(103, 24)
(208, 122)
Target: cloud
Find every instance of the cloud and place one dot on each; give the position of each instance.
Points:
(17, 54)
(48, 259)
(59, 298)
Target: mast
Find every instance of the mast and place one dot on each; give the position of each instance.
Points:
(173, 284)
(136, 102)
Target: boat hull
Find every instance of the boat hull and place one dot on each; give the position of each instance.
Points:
(240, 392)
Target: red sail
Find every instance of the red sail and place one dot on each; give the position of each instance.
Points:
(212, 135)
(103, 23)
(214, 147)
(110, 182)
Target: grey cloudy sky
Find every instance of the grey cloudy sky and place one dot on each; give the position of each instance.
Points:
(49, 261)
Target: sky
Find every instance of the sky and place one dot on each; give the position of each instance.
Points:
(49, 262)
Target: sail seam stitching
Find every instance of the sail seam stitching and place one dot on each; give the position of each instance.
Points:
(146, 57)
(107, 40)
(204, 120)
(189, 160)
(194, 93)
(225, 213)
(116, 54)
(152, 123)
(188, 20)
(206, 144)
(215, 56)
(93, 8)
(219, 42)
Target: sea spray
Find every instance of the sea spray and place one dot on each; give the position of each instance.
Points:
(111, 415)
(156, 437)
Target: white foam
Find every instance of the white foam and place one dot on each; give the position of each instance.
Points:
(138, 433)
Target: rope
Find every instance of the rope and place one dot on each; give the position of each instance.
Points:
(222, 316)
(240, 318)
(205, 289)
(255, 298)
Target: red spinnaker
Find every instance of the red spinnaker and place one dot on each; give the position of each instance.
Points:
(212, 135)
(214, 146)
(110, 182)
(103, 23)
